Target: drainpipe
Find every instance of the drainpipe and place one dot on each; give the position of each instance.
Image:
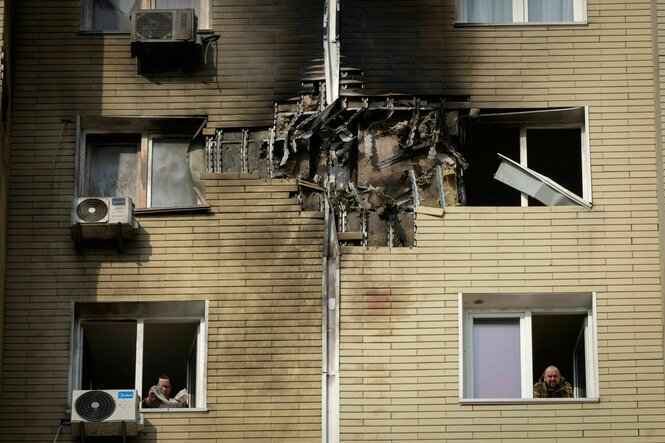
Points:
(330, 333)
(331, 251)
(331, 51)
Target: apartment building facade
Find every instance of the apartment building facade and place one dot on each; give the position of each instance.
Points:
(4, 155)
(335, 221)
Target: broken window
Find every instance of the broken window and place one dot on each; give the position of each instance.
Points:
(522, 11)
(508, 341)
(543, 158)
(385, 159)
(128, 345)
(171, 182)
(107, 15)
(151, 161)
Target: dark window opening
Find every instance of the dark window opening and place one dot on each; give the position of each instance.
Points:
(170, 348)
(482, 144)
(556, 153)
(558, 340)
(109, 355)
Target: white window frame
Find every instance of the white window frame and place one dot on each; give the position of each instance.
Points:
(203, 23)
(499, 306)
(76, 348)
(521, 13)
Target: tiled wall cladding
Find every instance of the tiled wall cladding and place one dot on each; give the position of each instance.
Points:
(257, 256)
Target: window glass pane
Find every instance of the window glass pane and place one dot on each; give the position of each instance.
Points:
(496, 358)
(551, 10)
(113, 166)
(180, 4)
(489, 11)
(109, 355)
(172, 183)
(168, 349)
(579, 363)
(113, 15)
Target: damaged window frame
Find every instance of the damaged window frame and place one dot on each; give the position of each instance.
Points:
(520, 15)
(146, 129)
(554, 118)
(522, 309)
(141, 315)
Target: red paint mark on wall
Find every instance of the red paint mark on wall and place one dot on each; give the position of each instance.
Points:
(377, 302)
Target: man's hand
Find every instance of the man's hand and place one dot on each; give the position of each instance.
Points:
(151, 396)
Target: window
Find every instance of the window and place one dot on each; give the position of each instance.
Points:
(114, 15)
(201, 9)
(507, 341)
(522, 11)
(128, 345)
(107, 15)
(549, 148)
(157, 163)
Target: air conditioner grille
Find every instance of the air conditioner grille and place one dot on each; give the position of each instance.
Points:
(95, 405)
(155, 26)
(184, 19)
(92, 210)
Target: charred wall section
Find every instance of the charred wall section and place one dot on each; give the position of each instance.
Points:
(397, 44)
(378, 158)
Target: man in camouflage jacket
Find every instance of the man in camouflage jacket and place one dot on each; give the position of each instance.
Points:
(552, 385)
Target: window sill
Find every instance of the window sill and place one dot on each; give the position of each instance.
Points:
(173, 410)
(482, 25)
(172, 209)
(82, 32)
(523, 401)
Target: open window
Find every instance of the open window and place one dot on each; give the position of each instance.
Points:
(113, 16)
(507, 341)
(543, 158)
(129, 345)
(156, 162)
(522, 11)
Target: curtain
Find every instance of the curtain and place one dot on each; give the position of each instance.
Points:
(551, 10)
(496, 358)
(489, 11)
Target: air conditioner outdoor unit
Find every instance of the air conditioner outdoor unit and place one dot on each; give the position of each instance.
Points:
(163, 26)
(103, 217)
(106, 413)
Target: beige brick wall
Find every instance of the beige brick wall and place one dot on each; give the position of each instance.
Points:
(256, 257)
(261, 53)
(399, 326)
(399, 345)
